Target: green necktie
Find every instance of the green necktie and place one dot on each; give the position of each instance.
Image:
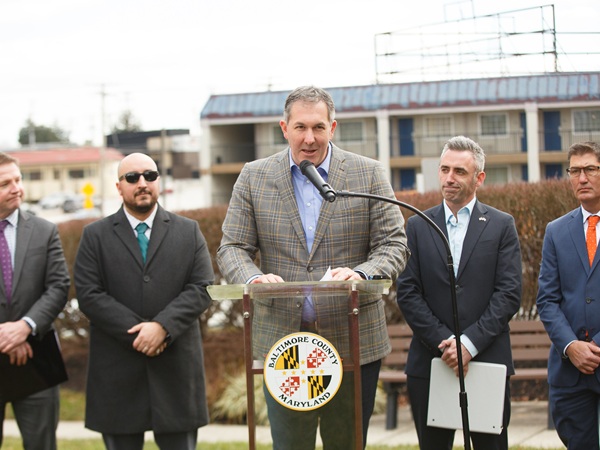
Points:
(142, 238)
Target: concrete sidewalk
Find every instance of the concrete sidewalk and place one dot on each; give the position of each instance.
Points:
(528, 428)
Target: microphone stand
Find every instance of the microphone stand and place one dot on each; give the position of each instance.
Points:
(461, 372)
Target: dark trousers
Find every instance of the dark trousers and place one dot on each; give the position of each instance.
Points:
(433, 438)
(297, 430)
(575, 413)
(37, 419)
(165, 441)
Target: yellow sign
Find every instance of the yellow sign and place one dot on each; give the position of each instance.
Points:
(88, 191)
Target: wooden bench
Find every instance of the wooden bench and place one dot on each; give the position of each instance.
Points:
(530, 347)
(392, 371)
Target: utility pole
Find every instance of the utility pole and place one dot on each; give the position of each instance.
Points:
(101, 162)
(31, 133)
(163, 166)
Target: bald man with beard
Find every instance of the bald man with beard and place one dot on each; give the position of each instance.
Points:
(141, 276)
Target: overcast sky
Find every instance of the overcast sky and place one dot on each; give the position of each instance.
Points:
(162, 59)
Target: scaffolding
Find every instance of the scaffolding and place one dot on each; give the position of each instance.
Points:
(517, 42)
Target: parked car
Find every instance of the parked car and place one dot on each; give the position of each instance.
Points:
(76, 202)
(73, 203)
(54, 200)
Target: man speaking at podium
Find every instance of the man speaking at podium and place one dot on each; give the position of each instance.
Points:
(275, 210)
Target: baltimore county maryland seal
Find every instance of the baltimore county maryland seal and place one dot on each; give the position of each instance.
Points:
(303, 371)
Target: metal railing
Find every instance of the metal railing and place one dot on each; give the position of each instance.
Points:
(418, 145)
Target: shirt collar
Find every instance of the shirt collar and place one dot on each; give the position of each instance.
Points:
(13, 218)
(135, 222)
(587, 214)
(324, 165)
(468, 207)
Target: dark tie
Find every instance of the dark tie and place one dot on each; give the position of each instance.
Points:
(590, 238)
(6, 262)
(142, 238)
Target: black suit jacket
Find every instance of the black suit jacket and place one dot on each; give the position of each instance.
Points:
(128, 392)
(488, 286)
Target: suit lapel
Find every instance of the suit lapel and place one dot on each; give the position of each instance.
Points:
(575, 226)
(336, 177)
(159, 230)
(439, 218)
(24, 233)
(125, 233)
(283, 183)
(479, 221)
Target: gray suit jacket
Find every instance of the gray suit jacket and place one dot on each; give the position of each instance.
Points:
(128, 392)
(40, 275)
(351, 232)
(488, 287)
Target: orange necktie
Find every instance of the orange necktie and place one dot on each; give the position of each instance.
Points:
(590, 238)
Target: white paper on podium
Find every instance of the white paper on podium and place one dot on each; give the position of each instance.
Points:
(484, 384)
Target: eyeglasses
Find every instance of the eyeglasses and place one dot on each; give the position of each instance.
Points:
(590, 171)
(133, 177)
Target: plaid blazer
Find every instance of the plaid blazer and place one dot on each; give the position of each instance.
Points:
(351, 232)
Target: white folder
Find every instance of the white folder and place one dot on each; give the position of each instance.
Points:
(485, 384)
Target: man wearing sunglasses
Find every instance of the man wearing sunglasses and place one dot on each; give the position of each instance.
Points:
(141, 277)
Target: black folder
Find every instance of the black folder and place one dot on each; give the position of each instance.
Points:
(44, 370)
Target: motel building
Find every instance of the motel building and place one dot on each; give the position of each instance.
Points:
(525, 125)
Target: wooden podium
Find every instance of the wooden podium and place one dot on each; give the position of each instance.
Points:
(351, 290)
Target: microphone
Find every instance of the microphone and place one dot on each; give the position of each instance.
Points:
(309, 170)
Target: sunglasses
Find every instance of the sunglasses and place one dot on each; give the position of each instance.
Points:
(133, 177)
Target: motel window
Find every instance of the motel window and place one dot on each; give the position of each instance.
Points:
(34, 175)
(496, 175)
(586, 121)
(76, 173)
(350, 131)
(493, 124)
(278, 138)
(438, 126)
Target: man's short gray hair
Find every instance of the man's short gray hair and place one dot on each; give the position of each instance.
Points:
(462, 143)
(582, 148)
(310, 94)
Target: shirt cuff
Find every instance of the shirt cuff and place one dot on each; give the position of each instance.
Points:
(31, 324)
(469, 345)
(253, 277)
(564, 354)
(363, 275)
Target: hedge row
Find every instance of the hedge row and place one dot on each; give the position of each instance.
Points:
(532, 205)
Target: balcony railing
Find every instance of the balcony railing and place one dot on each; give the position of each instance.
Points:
(418, 145)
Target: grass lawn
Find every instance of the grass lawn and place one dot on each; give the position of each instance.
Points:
(96, 444)
(72, 406)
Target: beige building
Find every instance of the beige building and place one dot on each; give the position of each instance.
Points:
(74, 170)
(524, 124)
(68, 169)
